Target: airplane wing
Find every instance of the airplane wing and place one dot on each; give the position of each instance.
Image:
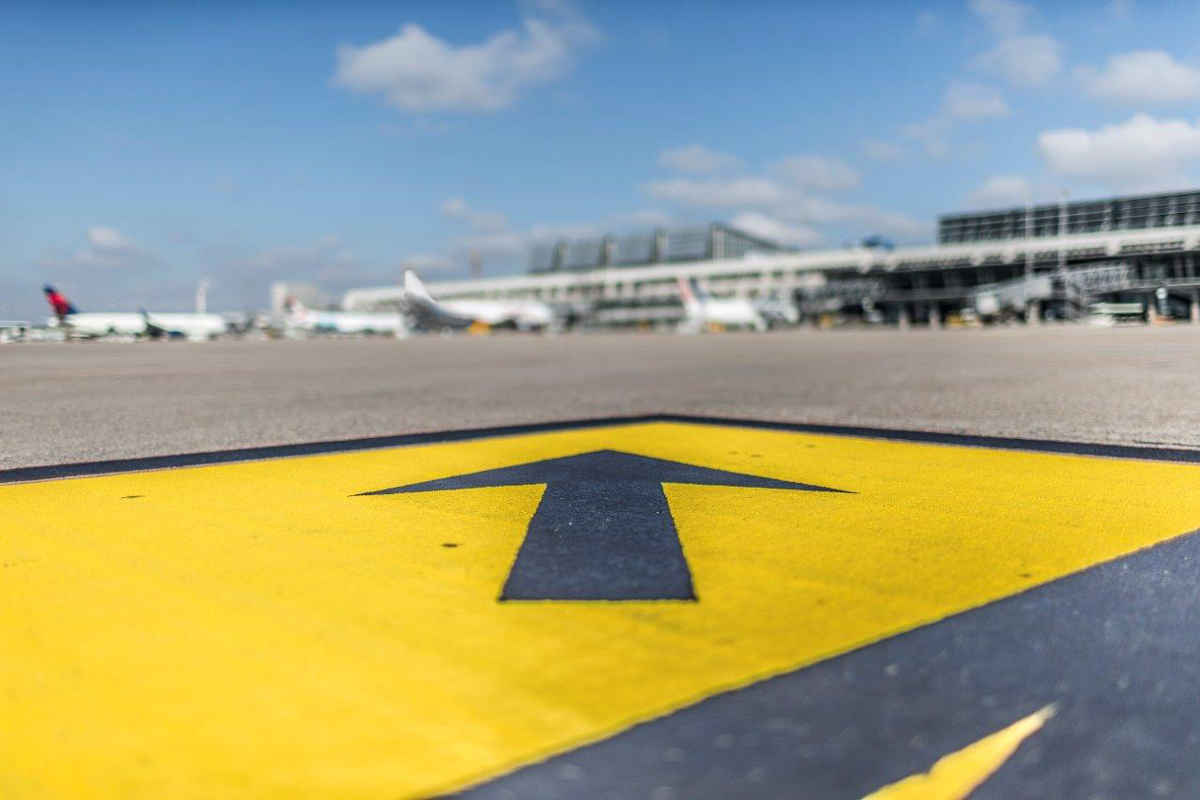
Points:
(157, 331)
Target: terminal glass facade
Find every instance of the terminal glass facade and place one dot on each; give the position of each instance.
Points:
(714, 241)
(1092, 216)
(631, 250)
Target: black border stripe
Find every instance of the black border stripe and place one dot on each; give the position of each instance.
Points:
(1141, 453)
(91, 468)
(86, 468)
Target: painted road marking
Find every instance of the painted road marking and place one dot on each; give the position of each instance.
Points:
(603, 529)
(1114, 645)
(258, 627)
(956, 775)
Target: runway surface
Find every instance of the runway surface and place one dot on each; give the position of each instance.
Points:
(691, 607)
(92, 401)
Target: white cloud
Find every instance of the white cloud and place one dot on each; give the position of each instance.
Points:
(893, 223)
(1121, 9)
(643, 218)
(696, 158)
(1000, 190)
(507, 247)
(972, 101)
(486, 233)
(1021, 58)
(102, 238)
(418, 72)
(549, 232)
(106, 248)
(489, 234)
(819, 211)
(428, 262)
(327, 259)
(963, 101)
(1027, 60)
(775, 230)
(480, 222)
(786, 204)
(1140, 154)
(783, 201)
(455, 207)
(1142, 76)
(726, 193)
(877, 150)
(817, 172)
(1003, 17)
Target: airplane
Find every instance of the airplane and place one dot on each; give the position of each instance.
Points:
(155, 325)
(703, 312)
(474, 315)
(306, 320)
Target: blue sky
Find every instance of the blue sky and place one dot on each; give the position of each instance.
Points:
(153, 144)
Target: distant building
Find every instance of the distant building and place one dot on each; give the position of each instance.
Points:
(1142, 212)
(708, 243)
(1133, 250)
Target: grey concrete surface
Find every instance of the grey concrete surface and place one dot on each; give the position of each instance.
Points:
(85, 401)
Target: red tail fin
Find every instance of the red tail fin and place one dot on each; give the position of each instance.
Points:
(685, 290)
(61, 305)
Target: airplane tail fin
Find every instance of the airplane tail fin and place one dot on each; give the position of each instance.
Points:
(61, 305)
(413, 286)
(693, 297)
(292, 305)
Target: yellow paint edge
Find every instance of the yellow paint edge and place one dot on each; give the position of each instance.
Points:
(497, 772)
(957, 774)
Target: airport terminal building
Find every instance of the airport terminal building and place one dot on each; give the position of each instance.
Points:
(1041, 262)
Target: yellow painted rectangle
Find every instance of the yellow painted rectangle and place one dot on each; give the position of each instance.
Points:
(255, 629)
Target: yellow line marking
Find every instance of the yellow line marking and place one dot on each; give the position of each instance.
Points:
(254, 629)
(956, 775)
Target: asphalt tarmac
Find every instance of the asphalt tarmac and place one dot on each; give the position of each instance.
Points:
(89, 401)
(1102, 642)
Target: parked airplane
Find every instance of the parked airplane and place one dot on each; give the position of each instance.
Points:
(523, 315)
(704, 312)
(155, 325)
(300, 318)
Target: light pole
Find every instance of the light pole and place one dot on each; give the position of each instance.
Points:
(1062, 246)
(1062, 232)
(202, 296)
(1028, 236)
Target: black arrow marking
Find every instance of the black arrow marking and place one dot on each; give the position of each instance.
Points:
(603, 529)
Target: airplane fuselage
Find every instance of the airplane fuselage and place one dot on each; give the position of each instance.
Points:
(193, 326)
(726, 313)
(521, 314)
(100, 323)
(433, 314)
(347, 322)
